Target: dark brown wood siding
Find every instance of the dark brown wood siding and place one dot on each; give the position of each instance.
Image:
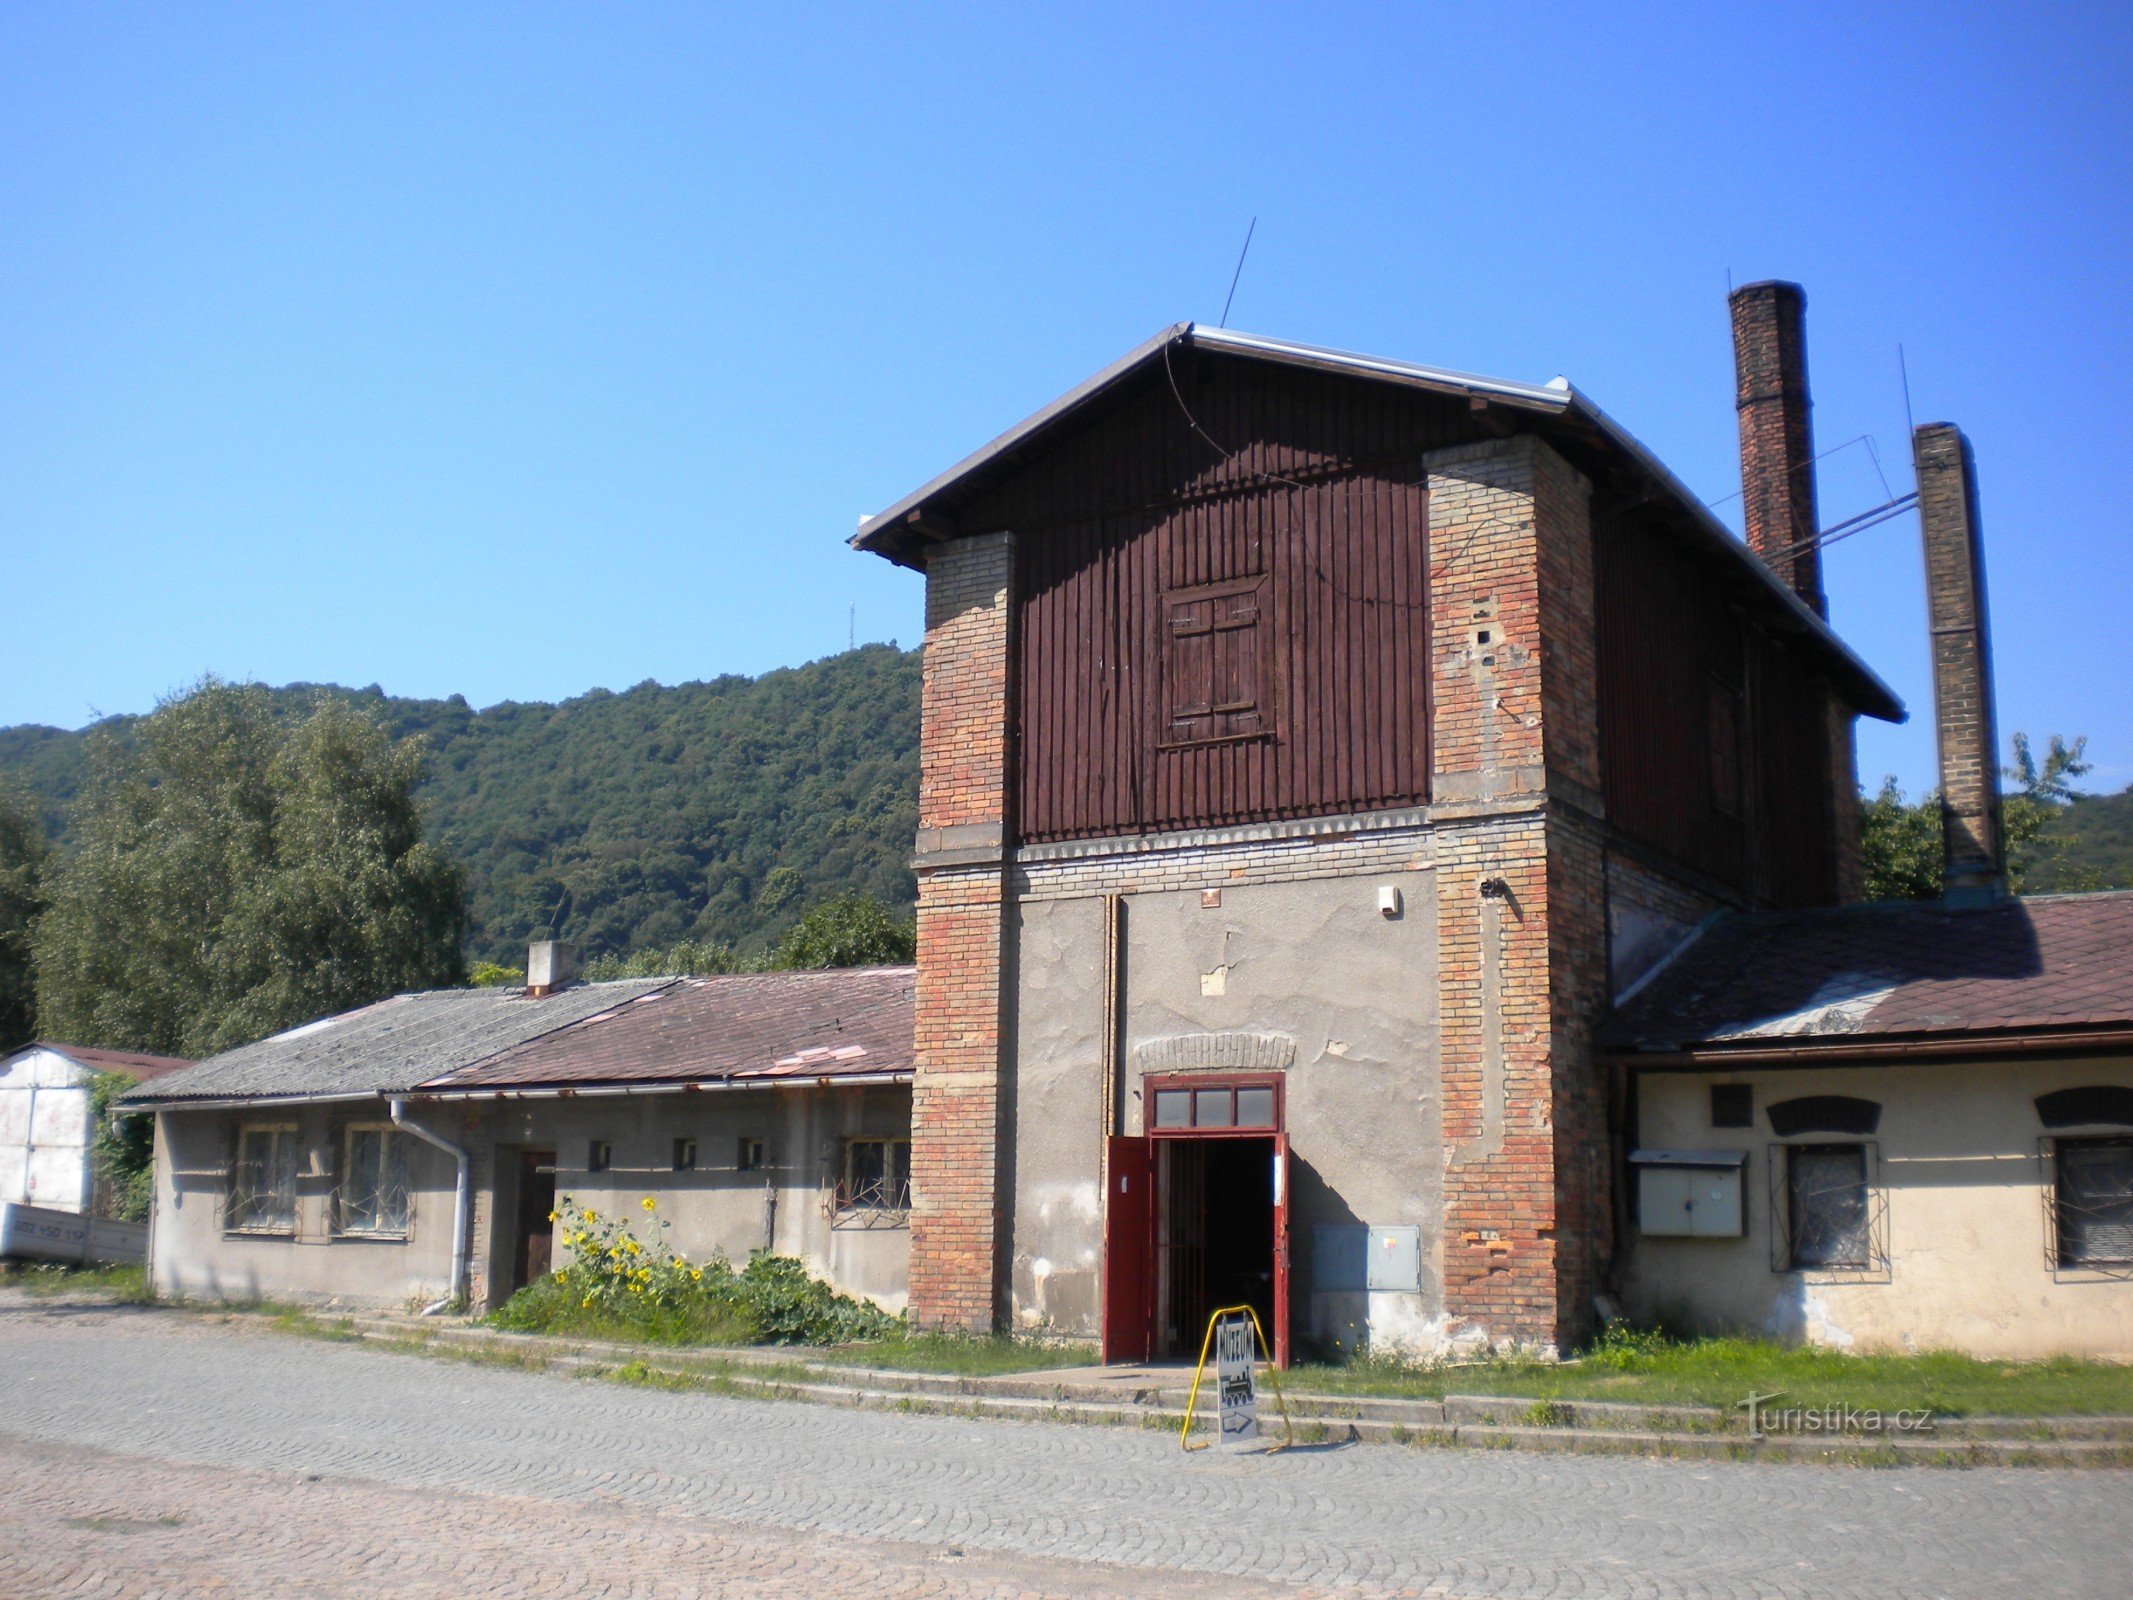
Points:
(1686, 683)
(1303, 491)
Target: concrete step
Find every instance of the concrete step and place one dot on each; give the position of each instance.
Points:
(1156, 1399)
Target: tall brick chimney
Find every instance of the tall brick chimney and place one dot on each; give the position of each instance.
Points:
(1973, 856)
(1777, 457)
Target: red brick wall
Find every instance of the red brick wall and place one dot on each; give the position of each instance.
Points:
(1777, 468)
(1521, 973)
(955, 1098)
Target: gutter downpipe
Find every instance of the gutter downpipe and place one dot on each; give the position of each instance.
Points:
(462, 1197)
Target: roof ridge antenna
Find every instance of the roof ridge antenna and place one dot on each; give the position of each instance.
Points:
(1234, 276)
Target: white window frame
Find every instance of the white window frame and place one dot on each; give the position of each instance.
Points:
(388, 1136)
(238, 1199)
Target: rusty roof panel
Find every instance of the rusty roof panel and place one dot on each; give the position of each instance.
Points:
(770, 1026)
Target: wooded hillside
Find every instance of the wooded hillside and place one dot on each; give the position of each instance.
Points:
(714, 811)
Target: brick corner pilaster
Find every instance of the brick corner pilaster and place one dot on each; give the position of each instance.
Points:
(962, 818)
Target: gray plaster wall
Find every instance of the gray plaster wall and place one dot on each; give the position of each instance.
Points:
(717, 1209)
(194, 1257)
(1314, 970)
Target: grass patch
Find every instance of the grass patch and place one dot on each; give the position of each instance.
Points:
(960, 1355)
(1648, 1370)
(120, 1283)
(559, 1308)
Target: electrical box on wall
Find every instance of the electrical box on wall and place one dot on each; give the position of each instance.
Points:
(1690, 1194)
(1351, 1259)
(1396, 1259)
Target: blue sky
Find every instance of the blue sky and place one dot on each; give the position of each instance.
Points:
(514, 351)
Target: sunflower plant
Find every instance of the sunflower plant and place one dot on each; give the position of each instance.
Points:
(620, 1276)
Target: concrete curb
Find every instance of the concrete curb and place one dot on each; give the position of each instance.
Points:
(1465, 1421)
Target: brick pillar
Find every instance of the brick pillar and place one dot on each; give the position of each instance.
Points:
(962, 816)
(1520, 899)
(1777, 454)
(1973, 860)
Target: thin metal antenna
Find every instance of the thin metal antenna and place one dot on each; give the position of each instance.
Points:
(1234, 276)
(1910, 428)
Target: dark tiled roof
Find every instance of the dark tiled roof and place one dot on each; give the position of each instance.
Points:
(1891, 970)
(131, 1062)
(759, 1025)
(390, 1046)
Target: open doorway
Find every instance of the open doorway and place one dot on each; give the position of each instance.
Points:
(535, 1255)
(1215, 1235)
(1196, 1217)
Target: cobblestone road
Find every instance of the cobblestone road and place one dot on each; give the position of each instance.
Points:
(164, 1453)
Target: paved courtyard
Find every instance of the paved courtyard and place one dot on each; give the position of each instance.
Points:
(159, 1453)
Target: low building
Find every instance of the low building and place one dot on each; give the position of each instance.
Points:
(47, 1120)
(759, 1111)
(408, 1153)
(1890, 1126)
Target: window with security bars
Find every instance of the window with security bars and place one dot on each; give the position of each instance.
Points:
(1831, 1215)
(263, 1180)
(2093, 1183)
(1212, 661)
(373, 1195)
(877, 1179)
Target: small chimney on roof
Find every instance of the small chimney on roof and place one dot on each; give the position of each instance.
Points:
(1777, 455)
(1973, 855)
(549, 966)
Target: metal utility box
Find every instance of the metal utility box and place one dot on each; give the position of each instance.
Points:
(1689, 1194)
(1350, 1259)
(1395, 1259)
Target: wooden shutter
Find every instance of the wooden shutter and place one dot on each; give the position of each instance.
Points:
(1213, 664)
(1236, 664)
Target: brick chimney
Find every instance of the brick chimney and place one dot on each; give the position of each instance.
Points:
(1777, 457)
(549, 967)
(1973, 857)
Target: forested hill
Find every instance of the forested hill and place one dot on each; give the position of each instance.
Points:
(707, 810)
(2088, 844)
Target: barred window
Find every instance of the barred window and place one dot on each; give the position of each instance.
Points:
(263, 1180)
(1826, 1205)
(374, 1181)
(877, 1175)
(2095, 1199)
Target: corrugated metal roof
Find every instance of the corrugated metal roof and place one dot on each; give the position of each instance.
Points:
(844, 1022)
(1889, 971)
(1558, 403)
(390, 1046)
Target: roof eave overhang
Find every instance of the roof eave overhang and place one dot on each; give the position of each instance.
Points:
(902, 532)
(210, 1102)
(1886, 1050)
(602, 1090)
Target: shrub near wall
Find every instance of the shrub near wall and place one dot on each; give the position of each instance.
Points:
(620, 1285)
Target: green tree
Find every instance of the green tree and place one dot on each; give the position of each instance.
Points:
(235, 873)
(688, 958)
(124, 1148)
(22, 861)
(2038, 793)
(852, 930)
(1901, 843)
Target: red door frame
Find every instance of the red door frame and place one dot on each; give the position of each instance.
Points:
(1129, 1221)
